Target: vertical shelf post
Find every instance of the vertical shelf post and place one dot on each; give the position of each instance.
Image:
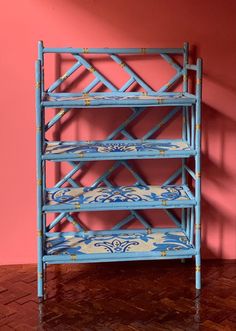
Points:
(198, 175)
(39, 172)
(184, 125)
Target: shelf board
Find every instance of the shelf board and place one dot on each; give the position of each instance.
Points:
(117, 150)
(121, 245)
(116, 99)
(118, 198)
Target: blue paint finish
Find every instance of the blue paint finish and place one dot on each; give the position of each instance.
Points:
(119, 244)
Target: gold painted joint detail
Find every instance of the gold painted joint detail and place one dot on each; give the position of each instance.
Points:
(91, 69)
(39, 182)
(163, 253)
(63, 77)
(198, 268)
(61, 112)
(40, 233)
(87, 102)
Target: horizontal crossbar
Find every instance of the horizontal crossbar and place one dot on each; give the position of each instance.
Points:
(71, 50)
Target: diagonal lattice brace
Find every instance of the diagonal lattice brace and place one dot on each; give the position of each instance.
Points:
(173, 177)
(67, 74)
(69, 218)
(95, 72)
(169, 59)
(56, 118)
(133, 75)
(76, 167)
(165, 120)
(170, 82)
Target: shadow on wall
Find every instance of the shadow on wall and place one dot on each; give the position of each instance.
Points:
(217, 210)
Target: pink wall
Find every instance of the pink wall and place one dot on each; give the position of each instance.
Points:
(208, 25)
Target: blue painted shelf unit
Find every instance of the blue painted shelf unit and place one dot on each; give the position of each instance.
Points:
(178, 196)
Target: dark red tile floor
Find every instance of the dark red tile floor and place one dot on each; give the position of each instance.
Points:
(120, 296)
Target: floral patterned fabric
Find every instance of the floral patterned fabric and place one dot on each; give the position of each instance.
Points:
(139, 193)
(118, 243)
(115, 146)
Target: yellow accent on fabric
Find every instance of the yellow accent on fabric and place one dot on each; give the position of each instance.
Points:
(163, 253)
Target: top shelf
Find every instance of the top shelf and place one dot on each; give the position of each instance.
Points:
(96, 100)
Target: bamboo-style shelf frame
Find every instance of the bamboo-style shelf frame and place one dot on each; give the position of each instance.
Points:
(67, 198)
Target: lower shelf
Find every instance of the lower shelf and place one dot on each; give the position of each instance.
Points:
(119, 245)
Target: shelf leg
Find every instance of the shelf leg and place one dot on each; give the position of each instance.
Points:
(39, 173)
(198, 176)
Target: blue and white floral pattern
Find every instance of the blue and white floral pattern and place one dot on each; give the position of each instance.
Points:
(114, 147)
(118, 243)
(127, 194)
